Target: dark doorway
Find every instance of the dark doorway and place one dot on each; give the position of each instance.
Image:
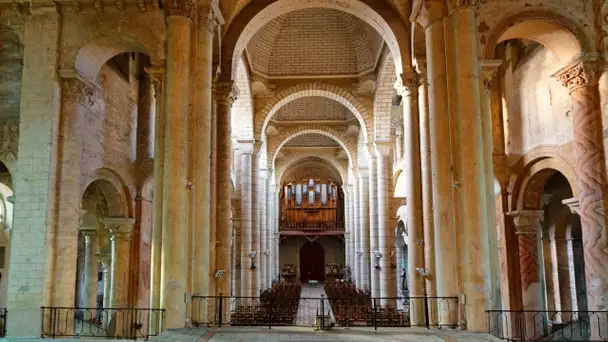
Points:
(312, 262)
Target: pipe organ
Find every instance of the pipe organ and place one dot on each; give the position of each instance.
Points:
(311, 204)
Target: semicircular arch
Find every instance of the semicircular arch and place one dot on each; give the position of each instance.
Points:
(115, 190)
(263, 117)
(295, 158)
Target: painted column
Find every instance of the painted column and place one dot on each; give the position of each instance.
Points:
(175, 171)
(386, 233)
(226, 95)
(526, 229)
(363, 256)
(89, 298)
(473, 235)
(426, 172)
(407, 87)
(202, 268)
(373, 223)
(431, 18)
(580, 77)
(257, 254)
(246, 148)
(157, 77)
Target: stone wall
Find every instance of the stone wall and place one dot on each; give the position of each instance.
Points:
(536, 105)
(289, 250)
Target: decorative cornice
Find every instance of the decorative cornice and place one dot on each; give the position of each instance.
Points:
(580, 72)
(181, 8)
(227, 92)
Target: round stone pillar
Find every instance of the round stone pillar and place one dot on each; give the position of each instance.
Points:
(226, 95)
(469, 152)
(89, 298)
(246, 148)
(256, 252)
(431, 17)
(373, 223)
(175, 170)
(203, 83)
(363, 255)
(580, 77)
(386, 234)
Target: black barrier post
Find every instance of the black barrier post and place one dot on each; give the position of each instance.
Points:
(374, 316)
(270, 313)
(426, 311)
(219, 312)
(322, 312)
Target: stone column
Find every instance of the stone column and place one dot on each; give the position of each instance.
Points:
(563, 248)
(386, 234)
(263, 229)
(407, 87)
(89, 298)
(488, 70)
(268, 228)
(226, 95)
(121, 230)
(157, 78)
(236, 267)
(373, 223)
(430, 16)
(246, 148)
(426, 172)
(354, 198)
(473, 235)
(580, 77)
(347, 225)
(526, 229)
(256, 251)
(364, 230)
(175, 171)
(399, 143)
(202, 104)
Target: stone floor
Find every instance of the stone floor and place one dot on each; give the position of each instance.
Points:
(310, 304)
(308, 335)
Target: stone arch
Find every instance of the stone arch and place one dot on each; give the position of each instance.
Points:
(97, 51)
(531, 182)
(242, 109)
(292, 159)
(115, 190)
(383, 99)
(558, 33)
(278, 142)
(258, 13)
(262, 118)
(399, 231)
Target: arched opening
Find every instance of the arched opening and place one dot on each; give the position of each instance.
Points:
(6, 224)
(401, 259)
(312, 262)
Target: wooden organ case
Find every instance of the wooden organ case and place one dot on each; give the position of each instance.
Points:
(312, 205)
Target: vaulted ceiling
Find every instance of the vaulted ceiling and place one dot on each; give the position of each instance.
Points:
(314, 41)
(312, 140)
(313, 108)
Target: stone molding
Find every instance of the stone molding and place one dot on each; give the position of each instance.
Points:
(427, 12)
(582, 71)
(574, 204)
(181, 8)
(119, 227)
(78, 89)
(525, 221)
(227, 92)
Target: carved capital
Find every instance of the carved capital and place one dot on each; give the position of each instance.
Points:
(454, 5)
(104, 259)
(89, 234)
(205, 18)
(407, 84)
(488, 68)
(574, 204)
(181, 8)
(77, 89)
(525, 221)
(421, 70)
(227, 92)
(427, 12)
(580, 72)
(384, 148)
(119, 227)
(156, 74)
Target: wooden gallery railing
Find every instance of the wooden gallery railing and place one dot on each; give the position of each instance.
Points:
(311, 226)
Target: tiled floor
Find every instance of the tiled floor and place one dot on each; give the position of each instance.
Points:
(308, 335)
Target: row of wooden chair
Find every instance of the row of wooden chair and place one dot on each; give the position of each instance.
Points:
(277, 306)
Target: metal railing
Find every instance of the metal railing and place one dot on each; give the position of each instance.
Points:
(529, 325)
(324, 312)
(3, 314)
(114, 323)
